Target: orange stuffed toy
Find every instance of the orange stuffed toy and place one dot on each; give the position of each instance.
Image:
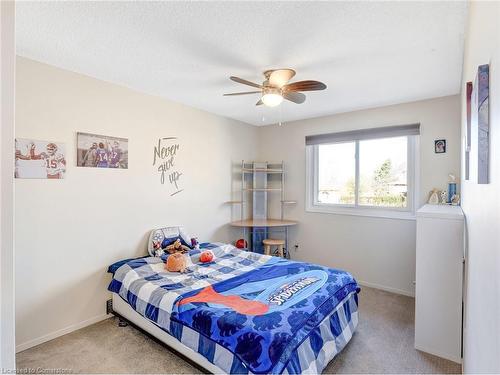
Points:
(176, 263)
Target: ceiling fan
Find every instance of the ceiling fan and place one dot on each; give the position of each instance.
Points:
(275, 87)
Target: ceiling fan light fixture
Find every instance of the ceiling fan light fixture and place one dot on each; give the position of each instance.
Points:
(272, 97)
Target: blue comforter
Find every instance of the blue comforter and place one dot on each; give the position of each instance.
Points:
(263, 315)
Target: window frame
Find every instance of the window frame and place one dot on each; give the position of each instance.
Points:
(408, 213)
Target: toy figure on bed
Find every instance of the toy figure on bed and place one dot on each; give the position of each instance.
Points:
(176, 247)
(176, 261)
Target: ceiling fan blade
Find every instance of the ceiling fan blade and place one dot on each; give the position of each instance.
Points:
(245, 82)
(305, 86)
(260, 102)
(296, 97)
(280, 77)
(243, 93)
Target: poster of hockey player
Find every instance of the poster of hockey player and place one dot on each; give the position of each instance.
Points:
(101, 151)
(39, 159)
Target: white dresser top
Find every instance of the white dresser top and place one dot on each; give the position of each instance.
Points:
(442, 211)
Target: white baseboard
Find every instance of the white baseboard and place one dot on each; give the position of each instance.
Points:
(61, 332)
(387, 288)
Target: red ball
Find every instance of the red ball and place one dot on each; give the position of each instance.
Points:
(241, 243)
(206, 256)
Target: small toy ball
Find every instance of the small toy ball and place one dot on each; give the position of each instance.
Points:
(241, 243)
(206, 256)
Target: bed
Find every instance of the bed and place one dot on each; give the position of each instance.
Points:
(242, 313)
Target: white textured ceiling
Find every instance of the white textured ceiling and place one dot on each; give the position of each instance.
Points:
(368, 53)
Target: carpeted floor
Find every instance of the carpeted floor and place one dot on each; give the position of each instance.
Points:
(383, 343)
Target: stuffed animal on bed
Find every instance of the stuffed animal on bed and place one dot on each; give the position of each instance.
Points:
(176, 263)
(176, 247)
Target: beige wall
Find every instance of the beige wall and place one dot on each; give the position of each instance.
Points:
(379, 252)
(481, 203)
(69, 231)
(7, 70)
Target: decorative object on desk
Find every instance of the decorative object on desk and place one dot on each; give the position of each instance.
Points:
(455, 200)
(468, 129)
(440, 146)
(479, 145)
(444, 196)
(207, 256)
(433, 197)
(176, 263)
(101, 151)
(39, 159)
(241, 244)
(452, 187)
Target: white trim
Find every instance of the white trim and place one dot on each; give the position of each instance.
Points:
(61, 332)
(7, 121)
(407, 293)
(407, 213)
(438, 353)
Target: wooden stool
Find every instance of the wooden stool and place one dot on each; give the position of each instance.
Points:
(268, 242)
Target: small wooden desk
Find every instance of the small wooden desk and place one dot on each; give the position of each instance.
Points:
(250, 223)
(265, 223)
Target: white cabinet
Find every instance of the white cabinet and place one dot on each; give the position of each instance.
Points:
(438, 289)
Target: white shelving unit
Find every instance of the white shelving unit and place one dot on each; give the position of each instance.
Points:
(439, 275)
(265, 181)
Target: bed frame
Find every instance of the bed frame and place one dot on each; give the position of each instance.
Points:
(126, 313)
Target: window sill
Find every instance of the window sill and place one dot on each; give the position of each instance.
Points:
(361, 211)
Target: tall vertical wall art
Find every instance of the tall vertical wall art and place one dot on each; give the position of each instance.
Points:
(480, 129)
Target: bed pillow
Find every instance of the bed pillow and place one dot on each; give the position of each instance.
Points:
(162, 237)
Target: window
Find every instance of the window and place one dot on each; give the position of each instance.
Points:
(369, 173)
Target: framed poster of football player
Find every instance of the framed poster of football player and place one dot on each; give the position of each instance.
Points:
(101, 151)
(39, 159)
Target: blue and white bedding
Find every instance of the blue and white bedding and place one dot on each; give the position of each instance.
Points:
(246, 312)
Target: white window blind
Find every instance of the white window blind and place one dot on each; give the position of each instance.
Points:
(356, 135)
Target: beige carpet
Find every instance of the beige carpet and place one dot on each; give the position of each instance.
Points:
(383, 343)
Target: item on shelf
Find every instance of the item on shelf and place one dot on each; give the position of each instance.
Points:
(455, 200)
(444, 197)
(433, 197)
(452, 187)
(241, 244)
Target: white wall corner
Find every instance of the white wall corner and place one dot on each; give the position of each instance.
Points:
(7, 110)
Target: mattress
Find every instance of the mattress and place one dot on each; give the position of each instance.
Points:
(176, 303)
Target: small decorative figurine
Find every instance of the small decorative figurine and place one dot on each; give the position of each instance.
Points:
(433, 197)
(444, 196)
(455, 200)
(194, 243)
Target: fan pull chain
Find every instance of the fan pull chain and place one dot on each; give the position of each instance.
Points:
(281, 106)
